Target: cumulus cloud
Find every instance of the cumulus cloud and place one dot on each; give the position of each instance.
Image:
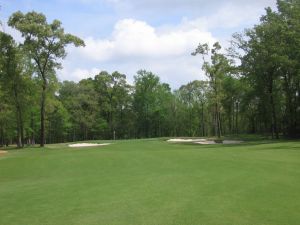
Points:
(135, 45)
(158, 36)
(164, 49)
(78, 73)
(135, 39)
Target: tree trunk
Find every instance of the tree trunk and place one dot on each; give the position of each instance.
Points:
(20, 125)
(20, 129)
(229, 115)
(19, 140)
(290, 107)
(237, 119)
(20, 132)
(220, 128)
(1, 136)
(215, 121)
(32, 141)
(190, 123)
(203, 128)
(219, 122)
(49, 131)
(43, 112)
(274, 119)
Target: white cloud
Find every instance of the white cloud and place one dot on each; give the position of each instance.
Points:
(78, 73)
(135, 45)
(14, 33)
(133, 38)
(164, 49)
(162, 44)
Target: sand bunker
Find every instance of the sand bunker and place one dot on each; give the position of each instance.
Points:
(225, 142)
(203, 141)
(2, 152)
(181, 140)
(79, 145)
(206, 142)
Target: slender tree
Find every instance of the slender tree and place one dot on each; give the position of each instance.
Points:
(12, 75)
(215, 70)
(45, 43)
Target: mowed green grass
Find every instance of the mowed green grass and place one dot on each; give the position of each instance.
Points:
(141, 182)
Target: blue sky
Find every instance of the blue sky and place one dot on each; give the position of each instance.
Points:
(128, 35)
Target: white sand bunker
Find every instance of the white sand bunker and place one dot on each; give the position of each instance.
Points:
(181, 140)
(203, 141)
(225, 142)
(79, 145)
(206, 142)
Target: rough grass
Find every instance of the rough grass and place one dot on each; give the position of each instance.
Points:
(152, 182)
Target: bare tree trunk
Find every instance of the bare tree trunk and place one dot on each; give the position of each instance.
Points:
(218, 122)
(215, 121)
(19, 139)
(237, 119)
(20, 132)
(219, 125)
(229, 115)
(290, 107)
(203, 128)
(190, 123)
(43, 112)
(274, 119)
(32, 141)
(19, 142)
(2, 136)
(49, 132)
(20, 129)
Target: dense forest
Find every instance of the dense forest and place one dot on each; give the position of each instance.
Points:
(252, 87)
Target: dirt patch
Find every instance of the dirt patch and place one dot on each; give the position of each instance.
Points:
(2, 152)
(80, 145)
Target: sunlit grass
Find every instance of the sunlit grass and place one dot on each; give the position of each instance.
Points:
(152, 182)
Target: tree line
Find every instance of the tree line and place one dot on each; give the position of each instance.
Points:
(252, 87)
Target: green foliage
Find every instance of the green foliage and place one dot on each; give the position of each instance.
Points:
(45, 44)
(256, 93)
(15, 77)
(151, 103)
(192, 109)
(216, 69)
(271, 66)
